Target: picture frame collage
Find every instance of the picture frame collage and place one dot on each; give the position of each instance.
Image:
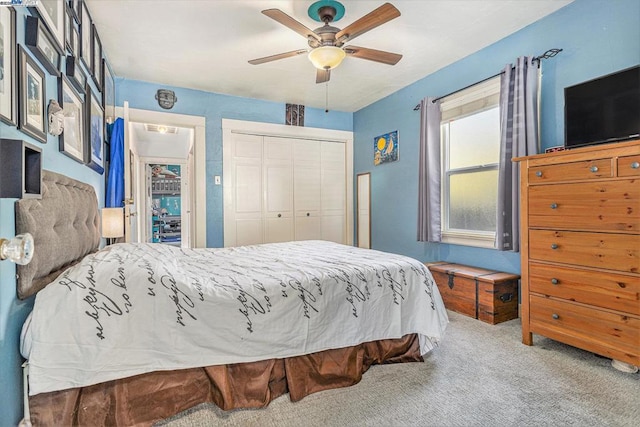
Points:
(60, 40)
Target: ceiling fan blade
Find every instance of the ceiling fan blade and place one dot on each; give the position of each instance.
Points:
(276, 57)
(373, 54)
(379, 16)
(323, 76)
(287, 21)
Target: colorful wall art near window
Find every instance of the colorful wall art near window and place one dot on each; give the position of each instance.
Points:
(385, 148)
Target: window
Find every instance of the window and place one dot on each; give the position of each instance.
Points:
(470, 131)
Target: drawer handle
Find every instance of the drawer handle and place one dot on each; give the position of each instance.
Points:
(554, 246)
(555, 316)
(635, 165)
(308, 214)
(539, 174)
(554, 281)
(593, 169)
(554, 206)
(279, 215)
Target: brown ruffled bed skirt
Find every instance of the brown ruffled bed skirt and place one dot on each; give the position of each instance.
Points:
(144, 399)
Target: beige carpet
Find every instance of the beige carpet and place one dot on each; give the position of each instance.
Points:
(481, 375)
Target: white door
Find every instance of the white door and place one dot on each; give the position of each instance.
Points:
(148, 204)
(306, 189)
(278, 190)
(130, 210)
(243, 190)
(333, 196)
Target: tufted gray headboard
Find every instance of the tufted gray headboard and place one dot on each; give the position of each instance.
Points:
(65, 225)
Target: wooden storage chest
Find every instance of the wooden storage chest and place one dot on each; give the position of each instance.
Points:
(488, 295)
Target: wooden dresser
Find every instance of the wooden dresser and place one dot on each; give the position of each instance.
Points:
(580, 248)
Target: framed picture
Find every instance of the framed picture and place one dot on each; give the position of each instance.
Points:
(85, 35)
(52, 13)
(385, 148)
(72, 139)
(94, 143)
(31, 95)
(68, 32)
(74, 38)
(76, 76)
(74, 9)
(41, 43)
(96, 61)
(8, 98)
(108, 92)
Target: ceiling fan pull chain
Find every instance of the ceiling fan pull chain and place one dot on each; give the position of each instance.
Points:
(326, 98)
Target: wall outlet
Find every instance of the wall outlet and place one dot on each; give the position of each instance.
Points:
(216, 179)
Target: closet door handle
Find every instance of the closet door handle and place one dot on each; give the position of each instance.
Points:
(279, 215)
(308, 214)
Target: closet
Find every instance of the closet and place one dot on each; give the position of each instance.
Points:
(280, 189)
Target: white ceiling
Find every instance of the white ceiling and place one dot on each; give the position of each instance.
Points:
(205, 44)
(174, 144)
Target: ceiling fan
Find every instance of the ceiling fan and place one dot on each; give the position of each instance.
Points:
(327, 42)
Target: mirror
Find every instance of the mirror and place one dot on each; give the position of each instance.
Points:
(364, 210)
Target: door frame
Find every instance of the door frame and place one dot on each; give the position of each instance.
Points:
(231, 126)
(198, 173)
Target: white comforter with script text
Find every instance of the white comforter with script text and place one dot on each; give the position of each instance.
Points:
(130, 309)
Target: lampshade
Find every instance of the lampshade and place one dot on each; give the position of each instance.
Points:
(112, 222)
(19, 249)
(326, 57)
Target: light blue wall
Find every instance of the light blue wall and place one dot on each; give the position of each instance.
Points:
(215, 107)
(12, 311)
(597, 37)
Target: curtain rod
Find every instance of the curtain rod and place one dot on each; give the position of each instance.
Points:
(548, 54)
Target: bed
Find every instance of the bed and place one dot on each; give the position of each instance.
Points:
(135, 333)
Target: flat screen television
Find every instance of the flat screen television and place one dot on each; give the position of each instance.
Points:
(606, 109)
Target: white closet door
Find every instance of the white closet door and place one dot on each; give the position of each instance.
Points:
(246, 169)
(306, 189)
(333, 191)
(278, 190)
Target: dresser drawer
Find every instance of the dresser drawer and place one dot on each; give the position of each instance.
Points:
(601, 206)
(610, 251)
(614, 291)
(603, 332)
(629, 166)
(591, 169)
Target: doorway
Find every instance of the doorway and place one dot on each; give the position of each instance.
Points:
(161, 138)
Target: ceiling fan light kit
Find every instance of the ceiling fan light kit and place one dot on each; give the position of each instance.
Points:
(326, 42)
(326, 57)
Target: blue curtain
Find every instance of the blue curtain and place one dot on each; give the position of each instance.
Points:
(115, 183)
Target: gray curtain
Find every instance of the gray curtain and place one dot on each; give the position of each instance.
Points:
(429, 229)
(519, 87)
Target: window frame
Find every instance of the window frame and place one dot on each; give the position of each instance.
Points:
(490, 91)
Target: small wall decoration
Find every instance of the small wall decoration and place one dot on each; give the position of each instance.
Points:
(94, 146)
(294, 115)
(385, 148)
(32, 90)
(8, 98)
(166, 98)
(74, 8)
(75, 74)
